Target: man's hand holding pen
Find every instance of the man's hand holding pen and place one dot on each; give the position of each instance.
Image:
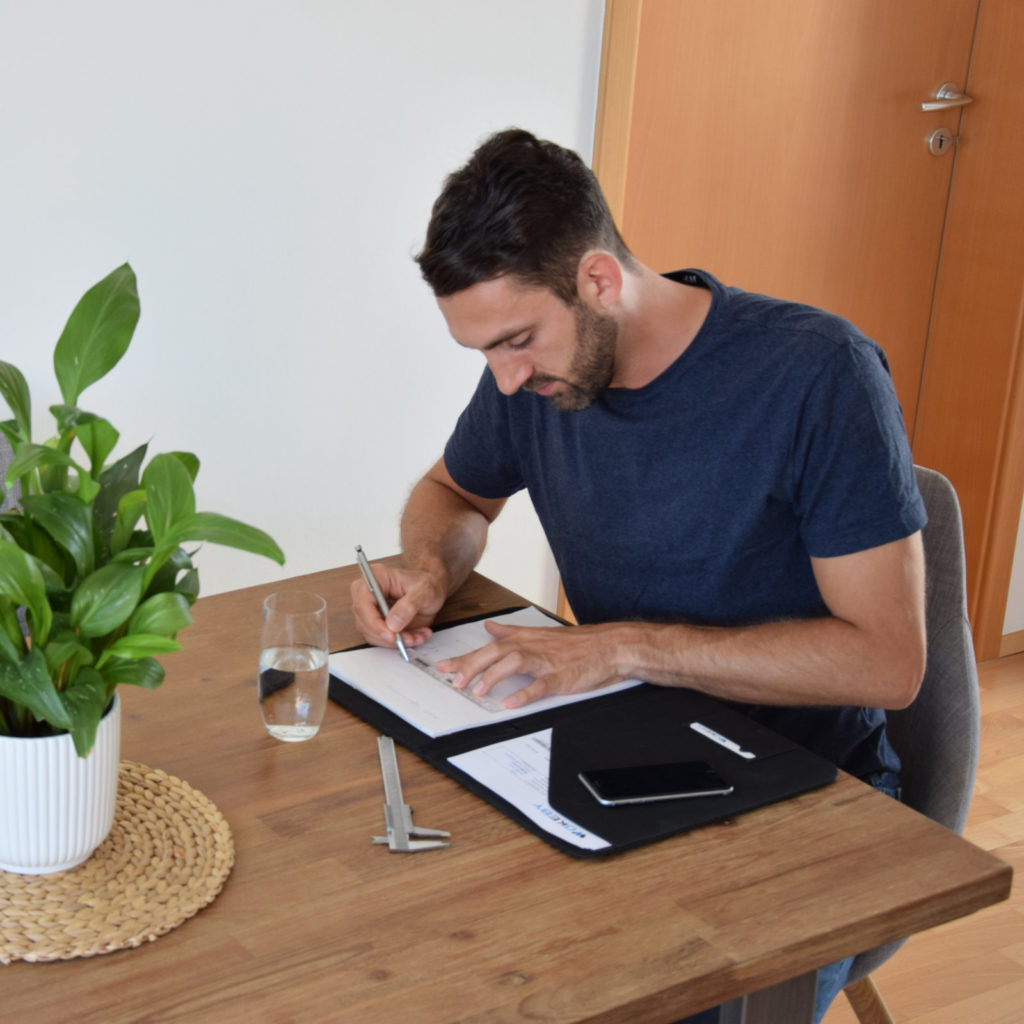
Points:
(414, 600)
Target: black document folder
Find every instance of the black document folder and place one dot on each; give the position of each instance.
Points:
(643, 725)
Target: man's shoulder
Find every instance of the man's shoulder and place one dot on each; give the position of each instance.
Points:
(781, 324)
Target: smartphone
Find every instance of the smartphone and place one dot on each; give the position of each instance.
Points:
(642, 784)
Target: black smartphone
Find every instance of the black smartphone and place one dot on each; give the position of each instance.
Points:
(642, 784)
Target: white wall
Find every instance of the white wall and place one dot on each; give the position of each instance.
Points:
(268, 169)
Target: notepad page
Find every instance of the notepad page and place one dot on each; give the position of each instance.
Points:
(417, 692)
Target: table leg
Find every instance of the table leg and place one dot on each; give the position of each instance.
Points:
(790, 1002)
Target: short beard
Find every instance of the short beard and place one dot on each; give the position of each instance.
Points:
(593, 362)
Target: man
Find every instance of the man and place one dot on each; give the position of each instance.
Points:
(724, 479)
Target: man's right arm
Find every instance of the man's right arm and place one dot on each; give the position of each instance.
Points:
(443, 532)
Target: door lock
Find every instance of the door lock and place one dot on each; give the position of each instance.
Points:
(941, 142)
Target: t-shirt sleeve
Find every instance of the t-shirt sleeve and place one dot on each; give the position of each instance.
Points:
(854, 485)
(479, 454)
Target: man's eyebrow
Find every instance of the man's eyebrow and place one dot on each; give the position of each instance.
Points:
(507, 336)
(500, 340)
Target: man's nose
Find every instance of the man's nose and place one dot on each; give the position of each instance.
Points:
(510, 374)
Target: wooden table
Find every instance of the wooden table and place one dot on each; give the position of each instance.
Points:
(317, 924)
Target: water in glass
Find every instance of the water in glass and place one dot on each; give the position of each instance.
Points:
(293, 664)
(293, 691)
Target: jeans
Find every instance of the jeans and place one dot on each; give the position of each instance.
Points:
(831, 977)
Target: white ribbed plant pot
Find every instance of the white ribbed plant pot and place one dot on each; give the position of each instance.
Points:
(57, 807)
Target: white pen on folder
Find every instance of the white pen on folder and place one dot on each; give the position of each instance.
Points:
(371, 582)
(722, 741)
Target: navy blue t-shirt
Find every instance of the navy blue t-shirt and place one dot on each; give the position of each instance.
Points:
(699, 498)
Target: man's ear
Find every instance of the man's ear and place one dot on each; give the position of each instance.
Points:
(599, 279)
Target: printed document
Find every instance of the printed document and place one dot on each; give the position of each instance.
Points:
(517, 770)
(425, 697)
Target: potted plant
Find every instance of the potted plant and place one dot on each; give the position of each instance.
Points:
(96, 578)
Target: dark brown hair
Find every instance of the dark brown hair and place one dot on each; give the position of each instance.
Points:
(519, 206)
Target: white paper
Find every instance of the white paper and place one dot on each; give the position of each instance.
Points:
(433, 706)
(518, 770)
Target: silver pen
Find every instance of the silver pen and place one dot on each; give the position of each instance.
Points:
(722, 741)
(371, 582)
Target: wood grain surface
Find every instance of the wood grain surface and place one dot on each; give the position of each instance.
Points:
(317, 924)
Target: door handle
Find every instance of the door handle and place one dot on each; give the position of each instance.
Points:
(948, 97)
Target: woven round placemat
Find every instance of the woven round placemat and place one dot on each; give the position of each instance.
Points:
(167, 856)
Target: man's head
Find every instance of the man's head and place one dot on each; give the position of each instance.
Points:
(523, 207)
(512, 237)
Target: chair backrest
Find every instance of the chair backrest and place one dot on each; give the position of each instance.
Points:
(937, 736)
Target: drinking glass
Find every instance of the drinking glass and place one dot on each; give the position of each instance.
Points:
(293, 664)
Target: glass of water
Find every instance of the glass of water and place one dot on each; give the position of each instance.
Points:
(293, 664)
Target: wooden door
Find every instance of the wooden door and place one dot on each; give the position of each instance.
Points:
(970, 421)
(781, 145)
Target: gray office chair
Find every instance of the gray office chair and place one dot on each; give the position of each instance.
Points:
(937, 736)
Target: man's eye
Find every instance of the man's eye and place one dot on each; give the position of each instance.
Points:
(515, 346)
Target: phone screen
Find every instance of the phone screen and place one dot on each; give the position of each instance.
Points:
(640, 784)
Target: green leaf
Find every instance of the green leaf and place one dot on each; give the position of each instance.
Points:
(129, 510)
(138, 645)
(106, 599)
(85, 701)
(166, 570)
(188, 585)
(145, 672)
(31, 457)
(169, 495)
(28, 684)
(164, 614)
(14, 389)
(98, 437)
(133, 556)
(97, 333)
(21, 580)
(12, 643)
(218, 529)
(190, 462)
(54, 464)
(68, 520)
(117, 480)
(10, 430)
(69, 418)
(14, 527)
(67, 652)
(87, 487)
(52, 578)
(39, 544)
(125, 472)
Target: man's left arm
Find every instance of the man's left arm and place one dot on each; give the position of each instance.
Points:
(869, 651)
